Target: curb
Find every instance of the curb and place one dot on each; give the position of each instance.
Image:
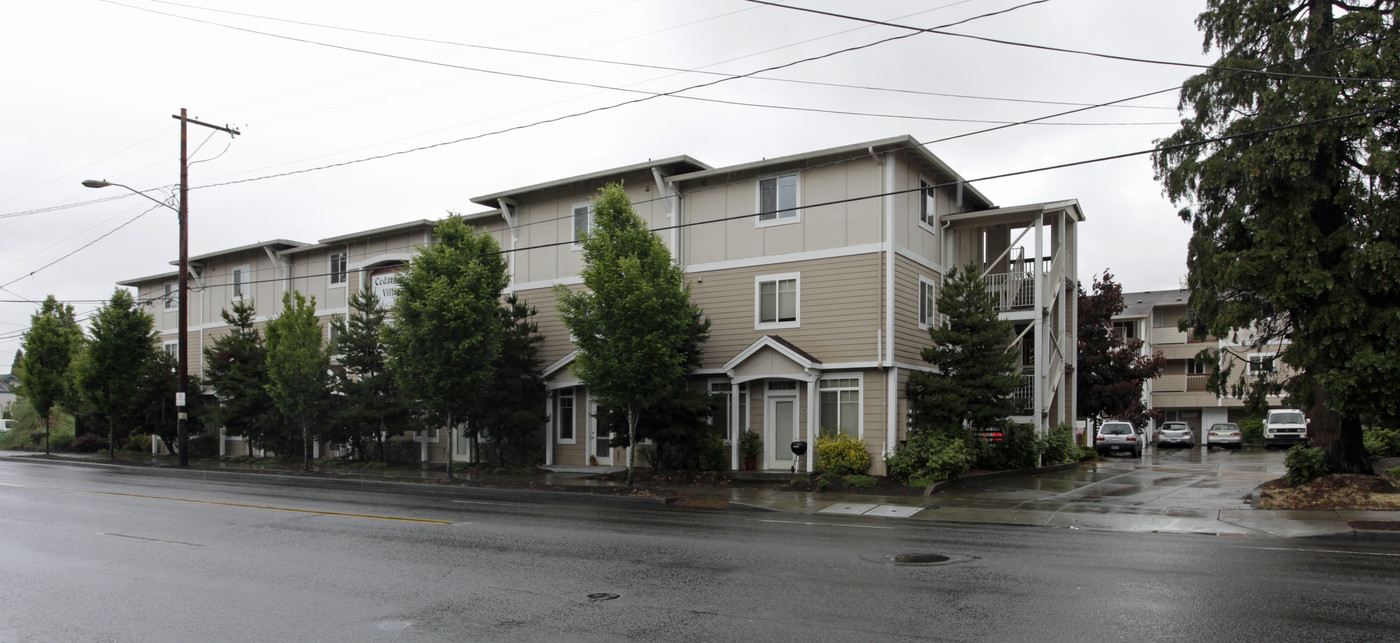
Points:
(996, 475)
(486, 493)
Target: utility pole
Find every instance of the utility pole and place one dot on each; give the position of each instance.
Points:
(182, 431)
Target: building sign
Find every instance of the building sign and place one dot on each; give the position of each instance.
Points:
(385, 283)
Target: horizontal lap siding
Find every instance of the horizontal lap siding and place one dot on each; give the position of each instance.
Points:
(909, 338)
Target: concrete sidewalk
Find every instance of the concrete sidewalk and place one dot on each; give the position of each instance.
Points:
(1173, 492)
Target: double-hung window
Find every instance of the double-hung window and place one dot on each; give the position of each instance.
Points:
(172, 296)
(928, 297)
(1261, 363)
(840, 406)
(777, 199)
(582, 221)
(1125, 330)
(928, 203)
(778, 301)
(338, 265)
(241, 279)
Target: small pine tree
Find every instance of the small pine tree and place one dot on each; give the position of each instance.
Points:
(370, 406)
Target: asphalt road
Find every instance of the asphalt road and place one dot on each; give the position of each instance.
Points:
(92, 554)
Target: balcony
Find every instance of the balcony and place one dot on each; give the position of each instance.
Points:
(1011, 290)
(1196, 381)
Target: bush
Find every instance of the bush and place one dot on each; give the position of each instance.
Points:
(204, 445)
(1251, 430)
(1393, 472)
(140, 443)
(1304, 464)
(1381, 443)
(1087, 453)
(861, 482)
(921, 482)
(842, 454)
(1060, 448)
(713, 456)
(88, 443)
(1020, 448)
(931, 457)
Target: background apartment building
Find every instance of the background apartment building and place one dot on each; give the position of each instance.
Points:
(819, 273)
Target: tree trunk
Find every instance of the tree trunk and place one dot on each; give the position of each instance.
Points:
(631, 443)
(1339, 437)
(111, 440)
(451, 445)
(46, 436)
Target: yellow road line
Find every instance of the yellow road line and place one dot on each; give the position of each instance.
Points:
(232, 504)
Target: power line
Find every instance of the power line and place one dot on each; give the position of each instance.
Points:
(80, 248)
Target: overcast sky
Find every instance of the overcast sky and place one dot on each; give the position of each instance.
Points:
(90, 87)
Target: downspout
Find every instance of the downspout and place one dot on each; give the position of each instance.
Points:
(510, 219)
(891, 371)
(672, 211)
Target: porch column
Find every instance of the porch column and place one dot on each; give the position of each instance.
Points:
(735, 429)
(812, 423)
(550, 430)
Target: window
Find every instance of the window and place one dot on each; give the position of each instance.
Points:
(928, 203)
(1195, 367)
(241, 280)
(332, 333)
(583, 220)
(1125, 330)
(840, 406)
(172, 349)
(172, 296)
(1260, 363)
(338, 268)
(564, 416)
(720, 417)
(777, 298)
(1159, 319)
(928, 298)
(777, 199)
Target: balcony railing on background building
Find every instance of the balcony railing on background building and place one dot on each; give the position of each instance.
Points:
(1196, 381)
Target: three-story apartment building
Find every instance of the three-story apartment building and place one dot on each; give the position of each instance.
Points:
(819, 272)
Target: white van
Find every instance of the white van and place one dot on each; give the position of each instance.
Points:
(1284, 427)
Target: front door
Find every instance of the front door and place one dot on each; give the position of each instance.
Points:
(779, 430)
(599, 442)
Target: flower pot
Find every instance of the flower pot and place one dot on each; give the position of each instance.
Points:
(592, 460)
(750, 463)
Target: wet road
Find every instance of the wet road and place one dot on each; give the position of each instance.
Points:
(96, 554)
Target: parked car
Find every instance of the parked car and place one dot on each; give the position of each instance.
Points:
(1116, 436)
(1225, 434)
(1285, 426)
(1176, 434)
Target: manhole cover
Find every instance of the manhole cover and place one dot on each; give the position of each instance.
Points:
(913, 558)
(600, 597)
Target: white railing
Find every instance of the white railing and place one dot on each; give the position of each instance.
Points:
(1011, 290)
(1025, 393)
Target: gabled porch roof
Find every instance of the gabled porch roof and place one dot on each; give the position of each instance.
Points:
(802, 362)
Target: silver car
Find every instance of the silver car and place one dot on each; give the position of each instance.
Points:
(1177, 434)
(1225, 434)
(1118, 437)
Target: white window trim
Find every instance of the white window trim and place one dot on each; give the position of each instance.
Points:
(171, 348)
(1249, 363)
(245, 279)
(171, 295)
(573, 230)
(332, 273)
(758, 281)
(925, 324)
(932, 185)
(553, 408)
(859, 377)
(797, 201)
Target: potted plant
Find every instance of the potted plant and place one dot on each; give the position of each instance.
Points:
(750, 446)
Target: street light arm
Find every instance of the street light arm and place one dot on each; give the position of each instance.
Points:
(94, 183)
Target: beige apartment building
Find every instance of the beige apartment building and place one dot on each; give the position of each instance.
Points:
(1180, 392)
(819, 273)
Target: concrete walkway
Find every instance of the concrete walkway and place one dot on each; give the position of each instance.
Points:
(1197, 491)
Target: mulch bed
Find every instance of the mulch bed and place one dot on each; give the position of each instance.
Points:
(1345, 491)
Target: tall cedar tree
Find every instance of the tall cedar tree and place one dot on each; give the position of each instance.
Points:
(513, 405)
(109, 373)
(297, 365)
(1112, 369)
(679, 424)
(976, 374)
(236, 368)
(632, 320)
(370, 406)
(50, 345)
(446, 333)
(1295, 232)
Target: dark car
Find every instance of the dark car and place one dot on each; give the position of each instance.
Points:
(1118, 437)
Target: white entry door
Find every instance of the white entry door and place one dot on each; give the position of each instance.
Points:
(779, 430)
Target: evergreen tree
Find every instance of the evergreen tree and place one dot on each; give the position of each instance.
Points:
(236, 368)
(512, 409)
(50, 344)
(109, 373)
(297, 365)
(975, 376)
(1295, 204)
(370, 406)
(1111, 370)
(632, 321)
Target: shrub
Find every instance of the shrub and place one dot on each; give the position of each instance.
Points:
(842, 454)
(1304, 464)
(713, 456)
(88, 443)
(921, 482)
(1393, 472)
(1060, 448)
(139, 443)
(750, 444)
(1087, 453)
(204, 445)
(932, 456)
(861, 482)
(1020, 448)
(1381, 443)
(1251, 430)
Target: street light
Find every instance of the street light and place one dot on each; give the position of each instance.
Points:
(183, 213)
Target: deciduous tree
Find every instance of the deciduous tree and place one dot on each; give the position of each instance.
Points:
(297, 365)
(1112, 369)
(1293, 203)
(109, 373)
(50, 344)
